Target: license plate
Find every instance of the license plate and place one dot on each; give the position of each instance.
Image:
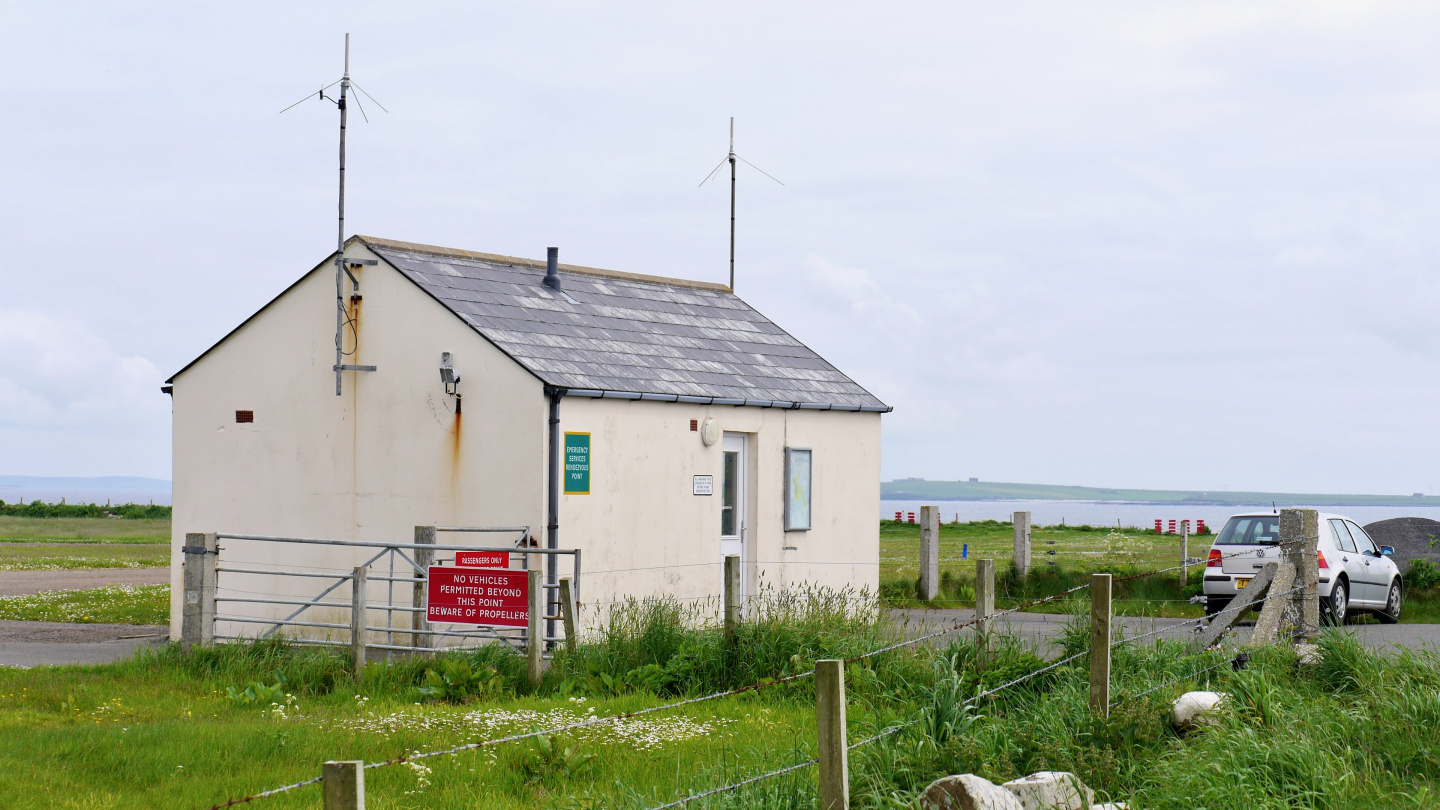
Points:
(1241, 582)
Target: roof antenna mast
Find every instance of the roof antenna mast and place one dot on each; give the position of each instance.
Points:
(342, 314)
(731, 158)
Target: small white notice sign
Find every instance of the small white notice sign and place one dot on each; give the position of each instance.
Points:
(704, 485)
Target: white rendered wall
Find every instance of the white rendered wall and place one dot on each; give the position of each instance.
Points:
(386, 456)
(641, 512)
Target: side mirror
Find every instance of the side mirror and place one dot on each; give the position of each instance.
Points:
(1387, 551)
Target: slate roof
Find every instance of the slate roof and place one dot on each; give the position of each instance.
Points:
(626, 335)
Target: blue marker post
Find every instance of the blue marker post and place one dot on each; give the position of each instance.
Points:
(964, 551)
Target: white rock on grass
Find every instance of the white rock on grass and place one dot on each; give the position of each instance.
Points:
(967, 792)
(1051, 790)
(1193, 709)
(1309, 654)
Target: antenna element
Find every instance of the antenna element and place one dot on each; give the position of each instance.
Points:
(342, 314)
(731, 158)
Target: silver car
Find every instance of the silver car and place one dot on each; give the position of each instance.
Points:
(1356, 575)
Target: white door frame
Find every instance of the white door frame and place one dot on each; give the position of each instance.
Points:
(738, 542)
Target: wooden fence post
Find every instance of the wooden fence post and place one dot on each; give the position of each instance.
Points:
(197, 605)
(1022, 543)
(1100, 644)
(343, 785)
(424, 535)
(984, 608)
(732, 595)
(833, 753)
(359, 585)
(534, 639)
(929, 552)
(567, 613)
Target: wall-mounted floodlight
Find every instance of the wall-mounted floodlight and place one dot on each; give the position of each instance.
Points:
(448, 375)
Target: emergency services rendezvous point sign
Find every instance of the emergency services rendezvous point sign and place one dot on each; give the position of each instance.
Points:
(492, 596)
(577, 464)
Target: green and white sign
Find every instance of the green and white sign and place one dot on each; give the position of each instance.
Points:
(577, 463)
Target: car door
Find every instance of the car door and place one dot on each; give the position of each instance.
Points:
(1377, 572)
(1350, 560)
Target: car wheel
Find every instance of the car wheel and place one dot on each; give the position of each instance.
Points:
(1214, 605)
(1391, 613)
(1337, 607)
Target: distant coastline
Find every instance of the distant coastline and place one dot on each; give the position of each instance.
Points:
(919, 490)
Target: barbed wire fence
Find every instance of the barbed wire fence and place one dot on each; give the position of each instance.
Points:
(833, 749)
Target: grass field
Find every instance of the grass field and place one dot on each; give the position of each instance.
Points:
(1061, 557)
(1356, 730)
(14, 529)
(116, 604)
(59, 556)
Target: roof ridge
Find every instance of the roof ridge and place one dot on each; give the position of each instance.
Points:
(437, 250)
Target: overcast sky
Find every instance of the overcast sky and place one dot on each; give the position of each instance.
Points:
(1184, 245)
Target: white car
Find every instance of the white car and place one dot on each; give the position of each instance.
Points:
(1355, 574)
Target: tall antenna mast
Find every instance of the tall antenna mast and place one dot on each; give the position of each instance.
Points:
(731, 158)
(340, 269)
(342, 315)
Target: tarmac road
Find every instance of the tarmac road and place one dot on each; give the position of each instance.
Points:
(1042, 629)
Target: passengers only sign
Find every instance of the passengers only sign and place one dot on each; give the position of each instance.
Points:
(493, 596)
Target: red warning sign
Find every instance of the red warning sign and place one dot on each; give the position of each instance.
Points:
(492, 596)
(483, 559)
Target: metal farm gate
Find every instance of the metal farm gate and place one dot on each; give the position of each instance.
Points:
(295, 588)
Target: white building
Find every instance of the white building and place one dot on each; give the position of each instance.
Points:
(685, 398)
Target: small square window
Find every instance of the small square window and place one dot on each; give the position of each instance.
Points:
(244, 417)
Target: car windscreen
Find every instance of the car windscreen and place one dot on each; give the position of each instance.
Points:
(1250, 531)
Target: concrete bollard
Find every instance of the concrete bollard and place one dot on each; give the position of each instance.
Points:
(832, 752)
(929, 552)
(1022, 543)
(343, 785)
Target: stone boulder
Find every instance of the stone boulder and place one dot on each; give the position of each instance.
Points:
(967, 792)
(1051, 790)
(1410, 536)
(1194, 709)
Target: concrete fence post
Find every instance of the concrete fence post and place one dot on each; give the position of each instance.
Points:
(197, 603)
(343, 785)
(984, 608)
(1100, 623)
(1299, 546)
(424, 535)
(832, 752)
(567, 613)
(1184, 553)
(732, 595)
(534, 638)
(1022, 543)
(929, 552)
(359, 585)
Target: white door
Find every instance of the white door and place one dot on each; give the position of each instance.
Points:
(732, 506)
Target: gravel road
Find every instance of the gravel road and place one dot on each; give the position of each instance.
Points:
(21, 583)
